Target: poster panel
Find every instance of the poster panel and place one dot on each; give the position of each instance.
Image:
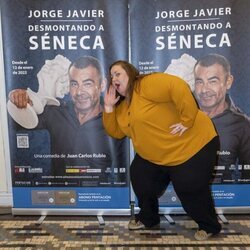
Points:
(170, 36)
(56, 56)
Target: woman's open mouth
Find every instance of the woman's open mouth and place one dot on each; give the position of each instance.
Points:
(117, 86)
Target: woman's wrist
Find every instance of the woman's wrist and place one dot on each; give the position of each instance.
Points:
(108, 109)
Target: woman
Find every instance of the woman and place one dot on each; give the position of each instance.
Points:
(174, 141)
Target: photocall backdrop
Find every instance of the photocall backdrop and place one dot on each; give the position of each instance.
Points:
(163, 35)
(170, 36)
(62, 165)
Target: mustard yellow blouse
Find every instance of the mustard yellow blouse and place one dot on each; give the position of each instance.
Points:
(161, 101)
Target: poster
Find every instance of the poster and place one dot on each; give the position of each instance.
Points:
(170, 36)
(56, 58)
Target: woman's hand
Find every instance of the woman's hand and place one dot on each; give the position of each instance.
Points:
(110, 99)
(177, 128)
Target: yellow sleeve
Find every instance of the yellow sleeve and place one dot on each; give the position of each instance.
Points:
(161, 87)
(111, 125)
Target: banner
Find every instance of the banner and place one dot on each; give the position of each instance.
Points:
(172, 36)
(56, 56)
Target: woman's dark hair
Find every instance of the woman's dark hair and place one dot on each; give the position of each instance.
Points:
(132, 73)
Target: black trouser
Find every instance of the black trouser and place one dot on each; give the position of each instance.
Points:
(191, 181)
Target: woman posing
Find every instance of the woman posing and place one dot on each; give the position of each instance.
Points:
(174, 141)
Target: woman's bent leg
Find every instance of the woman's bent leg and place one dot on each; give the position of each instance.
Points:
(191, 181)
